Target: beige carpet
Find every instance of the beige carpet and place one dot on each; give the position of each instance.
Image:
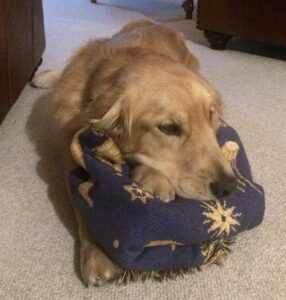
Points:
(39, 246)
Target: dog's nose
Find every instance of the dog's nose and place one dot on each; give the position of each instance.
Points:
(223, 187)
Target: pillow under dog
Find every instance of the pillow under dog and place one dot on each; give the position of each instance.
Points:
(140, 232)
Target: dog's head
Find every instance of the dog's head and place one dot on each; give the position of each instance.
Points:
(166, 117)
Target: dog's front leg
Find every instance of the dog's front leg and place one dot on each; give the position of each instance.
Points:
(96, 267)
(154, 182)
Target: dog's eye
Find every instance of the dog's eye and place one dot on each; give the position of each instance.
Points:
(171, 129)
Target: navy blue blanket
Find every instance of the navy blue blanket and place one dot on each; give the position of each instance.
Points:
(140, 232)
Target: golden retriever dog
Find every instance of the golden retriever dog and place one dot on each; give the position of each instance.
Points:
(143, 88)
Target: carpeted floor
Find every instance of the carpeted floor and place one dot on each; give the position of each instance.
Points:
(39, 246)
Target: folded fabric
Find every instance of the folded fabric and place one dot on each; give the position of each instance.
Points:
(142, 233)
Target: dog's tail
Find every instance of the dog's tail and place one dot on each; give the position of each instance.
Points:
(46, 79)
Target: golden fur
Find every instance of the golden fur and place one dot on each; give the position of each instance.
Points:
(143, 87)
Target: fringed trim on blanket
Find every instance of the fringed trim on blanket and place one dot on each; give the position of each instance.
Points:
(214, 252)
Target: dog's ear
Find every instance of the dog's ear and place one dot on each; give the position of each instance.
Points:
(117, 120)
(186, 57)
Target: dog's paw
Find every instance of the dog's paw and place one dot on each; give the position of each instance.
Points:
(96, 268)
(45, 79)
(154, 182)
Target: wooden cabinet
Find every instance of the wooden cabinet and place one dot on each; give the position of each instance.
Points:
(267, 21)
(263, 21)
(22, 42)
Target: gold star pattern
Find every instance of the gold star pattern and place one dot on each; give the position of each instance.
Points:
(117, 168)
(84, 189)
(137, 193)
(109, 154)
(170, 243)
(116, 244)
(230, 151)
(108, 150)
(221, 218)
(76, 149)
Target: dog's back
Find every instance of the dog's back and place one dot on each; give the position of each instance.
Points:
(94, 68)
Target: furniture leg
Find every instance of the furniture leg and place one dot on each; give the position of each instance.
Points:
(188, 6)
(217, 40)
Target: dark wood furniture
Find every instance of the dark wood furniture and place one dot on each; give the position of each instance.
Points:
(263, 21)
(22, 43)
(188, 6)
